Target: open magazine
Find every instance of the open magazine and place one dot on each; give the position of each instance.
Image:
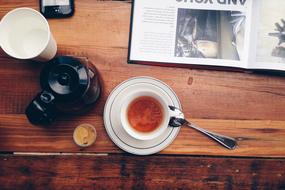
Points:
(247, 34)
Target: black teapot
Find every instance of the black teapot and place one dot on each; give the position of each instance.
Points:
(69, 86)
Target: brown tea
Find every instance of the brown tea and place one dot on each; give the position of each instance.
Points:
(145, 114)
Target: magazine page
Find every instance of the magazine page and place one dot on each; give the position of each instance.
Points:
(268, 47)
(203, 32)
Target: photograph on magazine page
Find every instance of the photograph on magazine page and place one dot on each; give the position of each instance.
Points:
(271, 32)
(210, 34)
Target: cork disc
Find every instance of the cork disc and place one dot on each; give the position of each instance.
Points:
(84, 135)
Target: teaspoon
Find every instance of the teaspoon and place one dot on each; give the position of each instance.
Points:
(178, 120)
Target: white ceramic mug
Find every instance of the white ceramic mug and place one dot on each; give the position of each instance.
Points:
(124, 118)
(25, 34)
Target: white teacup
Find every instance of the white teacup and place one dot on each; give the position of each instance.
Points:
(124, 116)
(25, 34)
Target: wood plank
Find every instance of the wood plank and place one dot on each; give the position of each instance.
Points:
(255, 138)
(204, 94)
(245, 96)
(125, 172)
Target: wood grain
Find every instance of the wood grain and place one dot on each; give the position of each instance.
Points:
(250, 107)
(101, 34)
(247, 106)
(125, 172)
(255, 138)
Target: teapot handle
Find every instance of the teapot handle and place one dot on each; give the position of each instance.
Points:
(42, 110)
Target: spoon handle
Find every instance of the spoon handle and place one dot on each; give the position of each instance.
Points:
(227, 142)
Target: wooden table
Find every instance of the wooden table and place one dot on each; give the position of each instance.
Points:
(249, 107)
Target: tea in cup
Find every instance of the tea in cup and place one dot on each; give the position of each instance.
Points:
(145, 114)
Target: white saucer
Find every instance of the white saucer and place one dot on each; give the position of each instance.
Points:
(112, 117)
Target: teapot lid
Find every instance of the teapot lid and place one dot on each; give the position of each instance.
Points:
(66, 78)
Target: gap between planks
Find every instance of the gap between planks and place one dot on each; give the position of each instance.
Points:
(130, 155)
